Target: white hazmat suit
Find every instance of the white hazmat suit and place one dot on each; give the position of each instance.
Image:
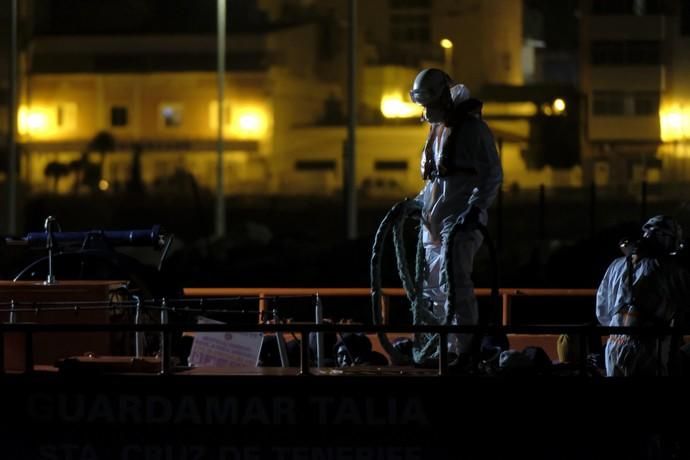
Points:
(464, 179)
(660, 296)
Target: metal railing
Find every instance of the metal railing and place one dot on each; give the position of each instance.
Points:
(506, 295)
(216, 300)
(304, 329)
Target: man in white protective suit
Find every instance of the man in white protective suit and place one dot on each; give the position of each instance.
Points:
(462, 173)
(648, 287)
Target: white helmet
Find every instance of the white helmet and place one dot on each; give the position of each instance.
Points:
(429, 86)
(431, 89)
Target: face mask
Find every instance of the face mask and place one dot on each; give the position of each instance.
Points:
(434, 114)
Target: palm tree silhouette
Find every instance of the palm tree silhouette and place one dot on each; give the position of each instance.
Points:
(88, 173)
(56, 170)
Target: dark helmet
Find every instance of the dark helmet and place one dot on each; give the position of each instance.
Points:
(664, 232)
(429, 86)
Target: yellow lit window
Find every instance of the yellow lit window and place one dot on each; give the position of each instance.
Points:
(170, 115)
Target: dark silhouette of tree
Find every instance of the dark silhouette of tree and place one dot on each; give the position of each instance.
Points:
(86, 172)
(56, 171)
(102, 143)
(77, 167)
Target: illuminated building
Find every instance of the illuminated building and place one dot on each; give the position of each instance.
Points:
(285, 129)
(634, 57)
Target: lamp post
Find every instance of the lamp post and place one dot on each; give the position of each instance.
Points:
(349, 169)
(220, 180)
(447, 46)
(12, 126)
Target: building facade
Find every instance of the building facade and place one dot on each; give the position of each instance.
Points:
(634, 56)
(154, 96)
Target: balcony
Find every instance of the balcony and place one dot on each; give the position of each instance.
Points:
(630, 78)
(627, 27)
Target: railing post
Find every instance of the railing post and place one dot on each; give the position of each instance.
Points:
(443, 354)
(320, 345)
(505, 304)
(13, 312)
(138, 335)
(12, 320)
(385, 306)
(262, 307)
(304, 353)
(280, 342)
(164, 337)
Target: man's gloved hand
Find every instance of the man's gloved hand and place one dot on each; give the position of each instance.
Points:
(471, 220)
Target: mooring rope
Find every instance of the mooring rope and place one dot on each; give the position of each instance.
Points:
(425, 345)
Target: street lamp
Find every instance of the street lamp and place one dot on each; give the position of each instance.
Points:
(220, 76)
(447, 46)
(558, 106)
(12, 152)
